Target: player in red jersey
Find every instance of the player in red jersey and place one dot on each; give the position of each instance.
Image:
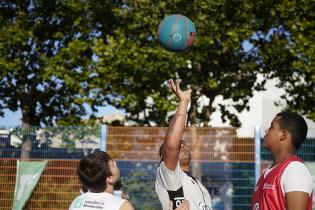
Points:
(287, 183)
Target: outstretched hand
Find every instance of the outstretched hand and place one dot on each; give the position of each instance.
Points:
(176, 129)
(183, 96)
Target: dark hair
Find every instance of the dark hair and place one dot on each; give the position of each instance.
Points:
(84, 188)
(118, 185)
(93, 171)
(296, 125)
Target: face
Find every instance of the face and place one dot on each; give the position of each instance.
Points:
(115, 172)
(273, 135)
(184, 153)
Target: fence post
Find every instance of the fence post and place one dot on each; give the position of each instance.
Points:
(103, 138)
(257, 153)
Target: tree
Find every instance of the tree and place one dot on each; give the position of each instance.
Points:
(57, 57)
(217, 64)
(140, 186)
(42, 57)
(236, 42)
(46, 60)
(285, 47)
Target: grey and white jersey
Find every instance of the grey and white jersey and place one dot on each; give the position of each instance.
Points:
(176, 186)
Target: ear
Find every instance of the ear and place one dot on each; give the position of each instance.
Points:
(109, 180)
(283, 135)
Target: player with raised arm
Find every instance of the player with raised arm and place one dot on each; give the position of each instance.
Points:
(173, 180)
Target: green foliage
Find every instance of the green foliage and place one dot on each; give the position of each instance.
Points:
(285, 46)
(46, 60)
(59, 57)
(139, 185)
(217, 64)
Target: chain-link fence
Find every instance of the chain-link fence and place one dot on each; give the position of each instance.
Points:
(224, 162)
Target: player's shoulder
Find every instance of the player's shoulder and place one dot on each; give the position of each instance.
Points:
(162, 170)
(297, 168)
(296, 177)
(294, 165)
(126, 206)
(77, 202)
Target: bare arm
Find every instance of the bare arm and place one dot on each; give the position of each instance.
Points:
(126, 206)
(297, 200)
(176, 129)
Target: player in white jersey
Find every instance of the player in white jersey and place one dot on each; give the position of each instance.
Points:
(98, 173)
(173, 180)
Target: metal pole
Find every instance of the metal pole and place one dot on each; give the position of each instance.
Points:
(103, 138)
(257, 153)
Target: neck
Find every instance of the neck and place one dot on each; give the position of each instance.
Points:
(281, 157)
(185, 168)
(109, 189)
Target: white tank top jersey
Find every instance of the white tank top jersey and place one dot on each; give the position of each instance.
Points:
(295, 177)
(177, 186)
(97, 201)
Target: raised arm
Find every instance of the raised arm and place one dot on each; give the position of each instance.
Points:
(176, 128)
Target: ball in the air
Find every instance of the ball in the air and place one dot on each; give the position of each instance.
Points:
(176, 32)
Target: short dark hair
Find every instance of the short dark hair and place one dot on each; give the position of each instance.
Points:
(93, 171)
(118, 185)
(296, 125)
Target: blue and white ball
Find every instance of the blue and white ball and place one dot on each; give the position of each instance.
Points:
(176, 32)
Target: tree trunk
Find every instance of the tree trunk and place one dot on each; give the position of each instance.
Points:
(26, 138)
(26, 149)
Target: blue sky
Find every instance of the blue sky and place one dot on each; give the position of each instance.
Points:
(10, 119)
